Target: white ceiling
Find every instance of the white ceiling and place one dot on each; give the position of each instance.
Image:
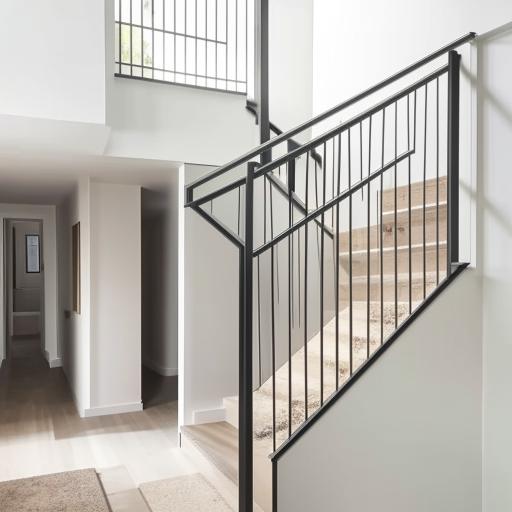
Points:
(48, 179)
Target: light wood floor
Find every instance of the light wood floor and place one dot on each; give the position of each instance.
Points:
(41, 432)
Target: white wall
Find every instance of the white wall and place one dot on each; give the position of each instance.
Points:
(115, 298)
(495, 128)
(357, 44)
(75, 327)
(407, 435)
(208, 311)
(290, 62)
(49, 256)
(55, 54)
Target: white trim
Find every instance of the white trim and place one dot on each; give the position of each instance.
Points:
(161, 370)
(46, 214)
(209, 416)
(56, 362)
(107, 410)
(181, 296)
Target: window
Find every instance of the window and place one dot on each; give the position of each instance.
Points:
(32, 256)
(202, 43)
(76, 267)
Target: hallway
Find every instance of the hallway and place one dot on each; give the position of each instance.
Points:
(41, 432)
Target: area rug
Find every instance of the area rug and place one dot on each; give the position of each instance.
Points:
(73, 491)
(191, 493)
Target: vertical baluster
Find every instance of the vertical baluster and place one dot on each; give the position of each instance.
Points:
(206, 42)
(290, 277)
(216, 43)
(174, 49)
(131, 38)
(236, 45)
(452, 247)
(299, 273)
(382, 230)
(163, 40)
(306, 294)
(273, 319)
(246, 45)
(239, 211)
(437, 181)
(333, 181)
(142, 39)
(361, 156)
(409, 200)
(350, 303)
(322, 256)
(185, 40)
(337, 270)
(245, 410)
(368, 288)
(259, 270)
(227, 41)
(396, 216)
(317, 199)
(152, 39)
(425, 197)
(195, 40)
(120, 37)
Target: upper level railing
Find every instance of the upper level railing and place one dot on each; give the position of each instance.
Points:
(201, 43)
(316, 312)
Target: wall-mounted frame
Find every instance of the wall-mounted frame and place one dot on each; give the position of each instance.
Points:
(76, 267)
(32, 254)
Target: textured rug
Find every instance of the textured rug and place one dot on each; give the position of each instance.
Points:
(191, 493)
(73, 491)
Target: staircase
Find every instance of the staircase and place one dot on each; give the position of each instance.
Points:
(329, 278)
(435, 270)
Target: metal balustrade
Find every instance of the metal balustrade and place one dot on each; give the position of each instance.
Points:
(200, 43)
(329, 276)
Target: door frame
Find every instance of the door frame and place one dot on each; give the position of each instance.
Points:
(8, 272)
(51, 331)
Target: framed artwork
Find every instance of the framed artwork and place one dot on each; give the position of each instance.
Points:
(76, 267)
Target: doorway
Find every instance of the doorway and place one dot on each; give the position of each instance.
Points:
(24, 288)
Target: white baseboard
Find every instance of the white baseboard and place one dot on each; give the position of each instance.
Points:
(112, 409)
(161, 370)
(209, 416)
(55, 363)
(52, 362)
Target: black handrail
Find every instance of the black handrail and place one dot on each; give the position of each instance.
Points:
(320, 139)
(348, 124)
(292, 143)
(325, 115)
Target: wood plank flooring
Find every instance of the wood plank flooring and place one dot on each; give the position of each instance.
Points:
(41, 432)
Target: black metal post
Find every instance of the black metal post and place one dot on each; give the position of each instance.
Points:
(261, 74)
(245, 413)
(453, 159)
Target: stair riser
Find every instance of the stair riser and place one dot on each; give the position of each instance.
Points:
(359, 236)
(359, 290)
(359, 261)
(416, 194)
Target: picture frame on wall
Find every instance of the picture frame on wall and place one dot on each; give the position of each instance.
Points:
(75, 240)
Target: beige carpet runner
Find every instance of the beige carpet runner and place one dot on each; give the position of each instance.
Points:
(73, 491)
(191, 493)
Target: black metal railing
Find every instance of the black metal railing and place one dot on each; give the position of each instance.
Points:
(201, 43)
(320, 309)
